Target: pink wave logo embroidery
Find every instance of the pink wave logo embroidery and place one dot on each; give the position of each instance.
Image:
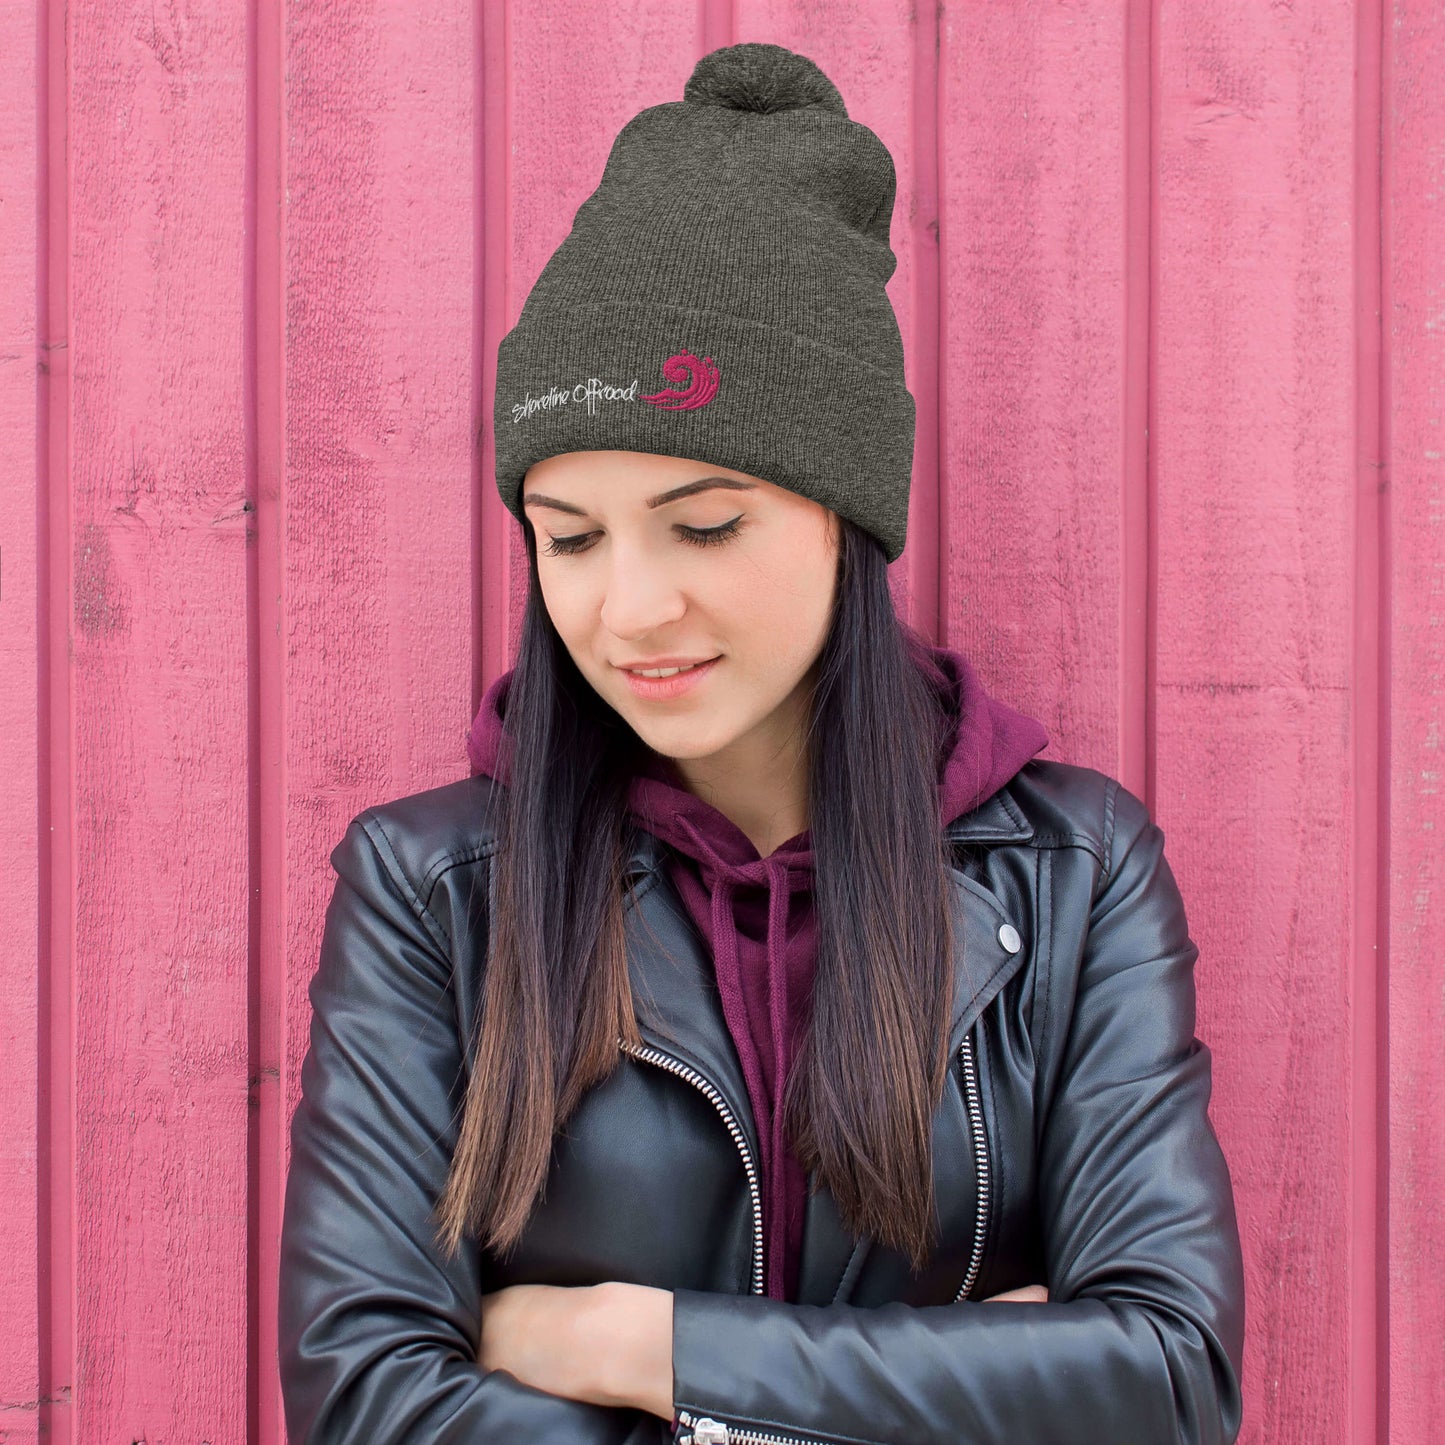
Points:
(695, 382)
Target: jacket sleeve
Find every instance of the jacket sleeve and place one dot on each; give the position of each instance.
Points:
(378, 1330)
(1142, 1335)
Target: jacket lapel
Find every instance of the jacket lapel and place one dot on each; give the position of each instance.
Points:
(674, 987)
(983, 965)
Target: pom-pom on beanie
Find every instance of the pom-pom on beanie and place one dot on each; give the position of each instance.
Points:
(720, 296)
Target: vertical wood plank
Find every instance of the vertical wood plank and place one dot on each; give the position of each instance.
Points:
(22, 467)
(157, 642)
(1414, 378)
(55, 1081)
(1366, 1363)
(1366, 1209)
(884, 62)
(1254, 403)
(265, 342)
(1032, 361)
(375, 527)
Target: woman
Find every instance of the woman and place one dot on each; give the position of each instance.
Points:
(691, 1070)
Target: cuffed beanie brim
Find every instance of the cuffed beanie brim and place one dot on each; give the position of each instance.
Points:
(854, 428)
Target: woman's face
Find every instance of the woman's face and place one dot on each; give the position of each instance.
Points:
(642, 581)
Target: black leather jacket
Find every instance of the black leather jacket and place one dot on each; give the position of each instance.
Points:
(1072, 1149)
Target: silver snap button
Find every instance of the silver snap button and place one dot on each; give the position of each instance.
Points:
(1008, 935)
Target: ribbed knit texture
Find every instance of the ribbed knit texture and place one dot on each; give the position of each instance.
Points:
(720, 297)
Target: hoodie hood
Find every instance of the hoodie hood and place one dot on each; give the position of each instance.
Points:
(757, 913)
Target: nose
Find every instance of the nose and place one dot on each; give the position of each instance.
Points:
(641, 599)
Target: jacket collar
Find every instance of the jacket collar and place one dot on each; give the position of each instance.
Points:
(996, 820)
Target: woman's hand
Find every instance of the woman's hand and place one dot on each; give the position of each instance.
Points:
(540, 1333)
(605, 1344)
(1036, 1292)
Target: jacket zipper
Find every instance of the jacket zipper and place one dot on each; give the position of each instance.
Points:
(676, 1066)
(704, 1430)
(980, 1159)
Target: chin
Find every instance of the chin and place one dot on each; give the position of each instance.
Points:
(682, 739)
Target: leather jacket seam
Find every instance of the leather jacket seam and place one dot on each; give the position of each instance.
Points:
(1038, 841)
(389, 860)
(640, 887)
(461, 860)
(849, 1277)
(1046, 972)
(1089, 844)
(444, 865)
(1110, 794)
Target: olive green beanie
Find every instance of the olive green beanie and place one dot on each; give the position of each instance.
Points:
(720, 296)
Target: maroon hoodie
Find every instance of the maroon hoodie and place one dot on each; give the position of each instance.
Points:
(757, 913)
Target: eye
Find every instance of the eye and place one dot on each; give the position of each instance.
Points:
(711, 536)
(566, 546)
(697, 536)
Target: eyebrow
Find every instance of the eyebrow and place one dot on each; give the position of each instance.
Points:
(688, 489)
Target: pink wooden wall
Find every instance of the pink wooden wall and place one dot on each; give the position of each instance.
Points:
(1171, 279)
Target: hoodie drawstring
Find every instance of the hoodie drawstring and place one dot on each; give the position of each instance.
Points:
(773, 874)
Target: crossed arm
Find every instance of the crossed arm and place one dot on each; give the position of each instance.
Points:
(382, 1338)
(606, 1344)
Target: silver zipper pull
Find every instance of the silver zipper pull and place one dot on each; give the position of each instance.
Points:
(705, 1431)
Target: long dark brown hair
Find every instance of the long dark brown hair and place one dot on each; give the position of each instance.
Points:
(859, 1103)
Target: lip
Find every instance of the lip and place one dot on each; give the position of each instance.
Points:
(673, 659)
(661, 689)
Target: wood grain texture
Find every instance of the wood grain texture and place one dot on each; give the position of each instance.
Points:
(1414, 380)
(375, 547)
(1253, 455)
(157, 639)
(1031, 360)
(23, 940)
